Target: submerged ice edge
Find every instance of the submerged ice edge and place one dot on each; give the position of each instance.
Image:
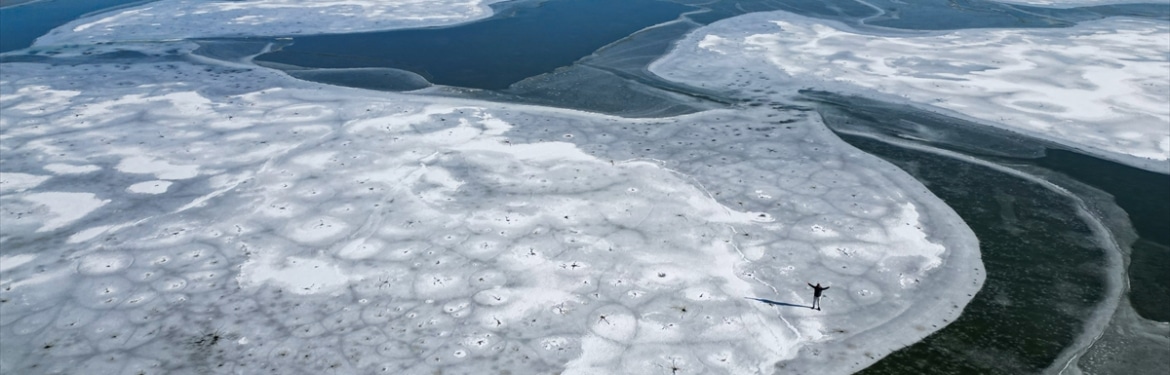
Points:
(295, 218)
(1110, 230)
(1100, 86)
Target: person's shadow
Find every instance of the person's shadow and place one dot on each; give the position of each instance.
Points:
(776, 303)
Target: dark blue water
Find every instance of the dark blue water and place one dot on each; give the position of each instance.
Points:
(21, 25)
(532, 38)
(525, 41)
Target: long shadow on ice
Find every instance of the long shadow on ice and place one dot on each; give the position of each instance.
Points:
(775, 303)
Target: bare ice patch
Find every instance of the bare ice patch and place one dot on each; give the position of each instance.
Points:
(1100, 85)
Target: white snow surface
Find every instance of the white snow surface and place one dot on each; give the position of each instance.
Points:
(324, 229)
(1100, 86)
(150, 187)
(182, 19)
(60, 168)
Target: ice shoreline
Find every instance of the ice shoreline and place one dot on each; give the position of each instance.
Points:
(286, 170)
(238, 216)
(816, 54)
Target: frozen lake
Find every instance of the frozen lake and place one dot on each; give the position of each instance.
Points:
(584, 186)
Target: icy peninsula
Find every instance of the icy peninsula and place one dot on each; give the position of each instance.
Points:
(1100, 86)
(166, 212)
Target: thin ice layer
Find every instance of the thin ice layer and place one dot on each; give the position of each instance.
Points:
(182, 19)
(308, 228)
(1101, 86)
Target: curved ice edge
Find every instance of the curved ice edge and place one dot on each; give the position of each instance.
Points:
(1115, 255)
(1128, 125)
(1055, 142)
(944, 300)
(296, 105)
(260, 18)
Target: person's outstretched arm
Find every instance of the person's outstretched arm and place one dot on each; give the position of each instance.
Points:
(826, 288)
(810, 285)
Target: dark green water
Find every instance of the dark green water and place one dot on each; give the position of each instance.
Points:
(1144, 195)
(1045, 275)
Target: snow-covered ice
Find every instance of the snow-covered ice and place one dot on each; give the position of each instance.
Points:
(290, 226)
(16, 181)
(150, 187)
(1100, 86)
(60, 168)
(203, 215)
(182, 19)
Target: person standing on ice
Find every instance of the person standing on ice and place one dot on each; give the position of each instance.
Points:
(817, 290)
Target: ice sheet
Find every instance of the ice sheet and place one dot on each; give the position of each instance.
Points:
(1101, 86)
(182, 19)
(310, 228)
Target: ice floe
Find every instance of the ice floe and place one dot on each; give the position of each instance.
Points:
(1100, 86)
(182, 19)
(288, 226)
